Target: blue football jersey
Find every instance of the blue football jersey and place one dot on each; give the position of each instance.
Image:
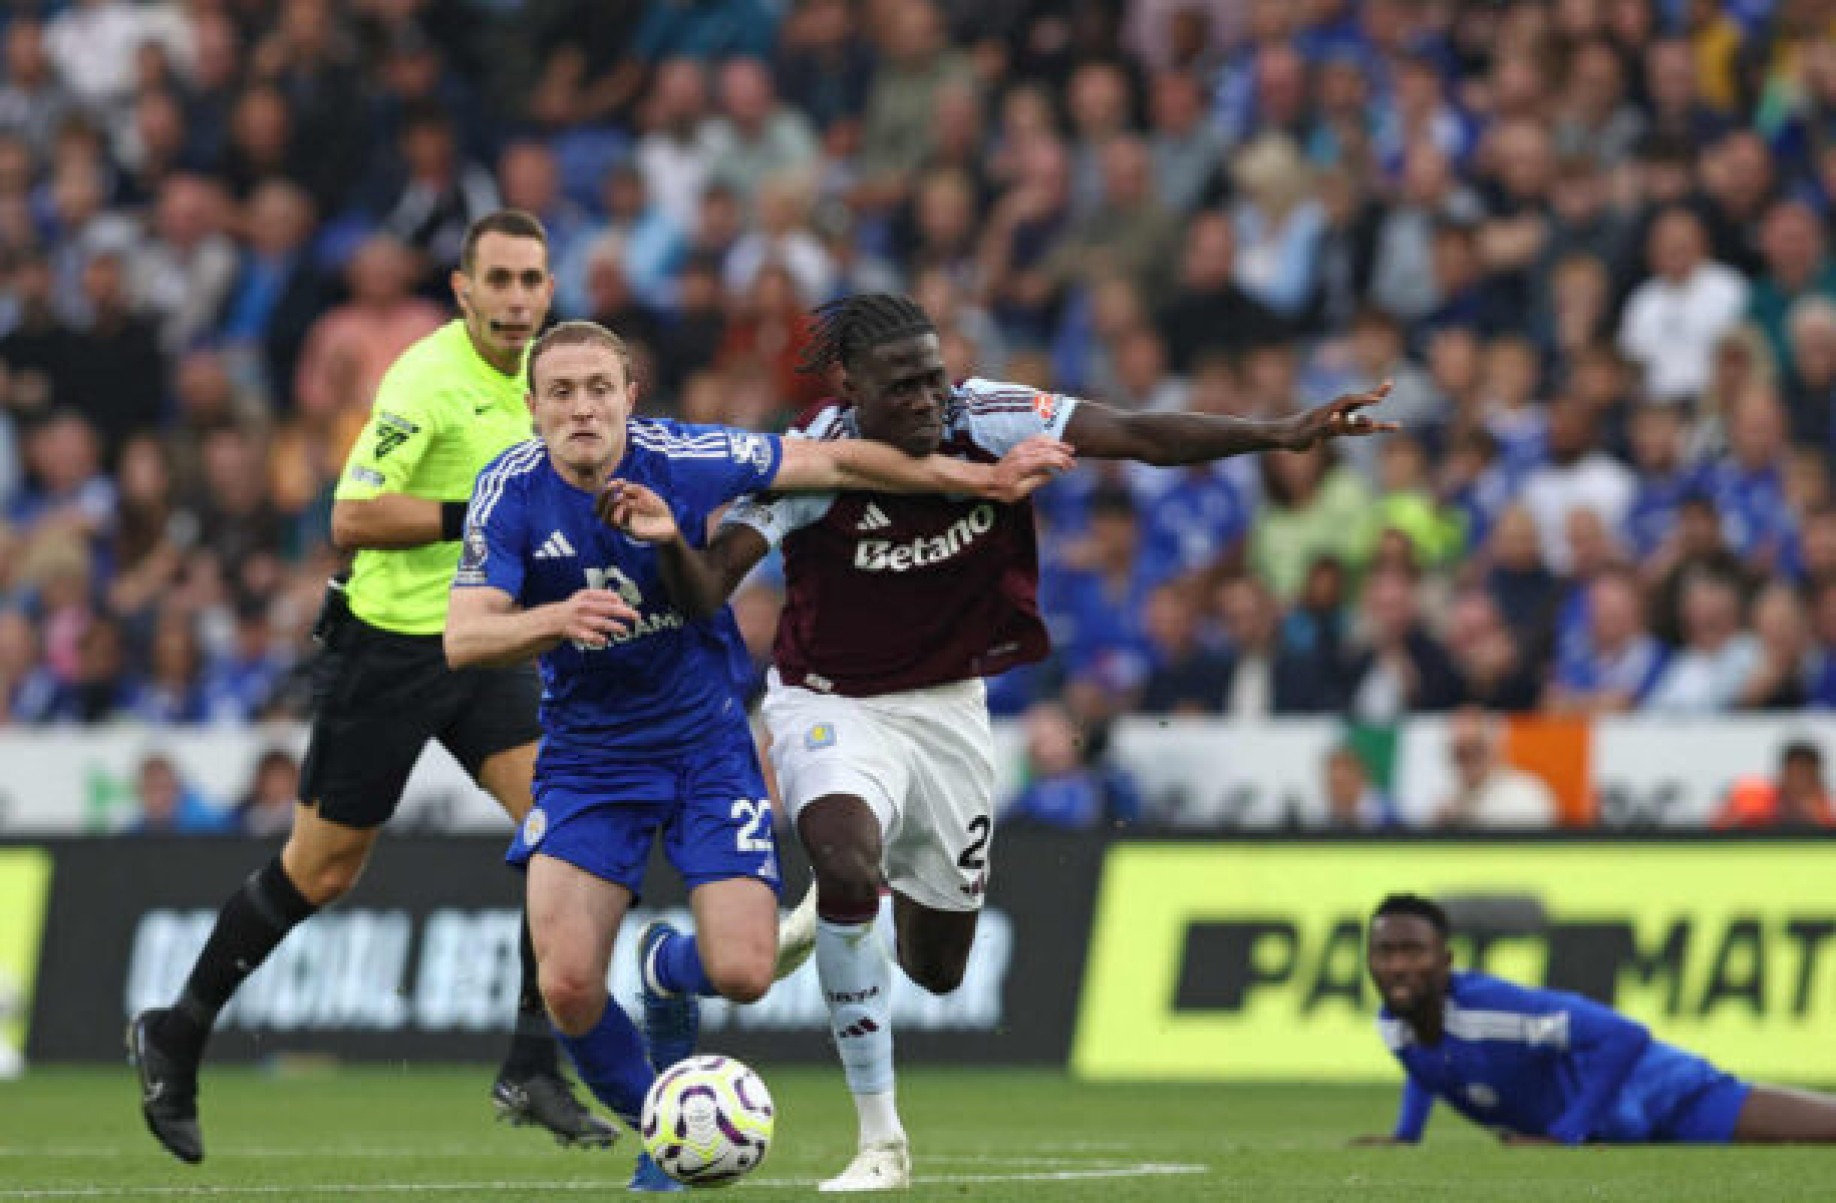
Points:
(1544, 1063)
(652, 692)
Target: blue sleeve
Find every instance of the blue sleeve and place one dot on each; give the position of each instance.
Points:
(496, 538)
(1412, 1117)
(719, 465)
(1604, 1045)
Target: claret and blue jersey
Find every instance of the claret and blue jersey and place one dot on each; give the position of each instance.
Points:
(1547, 1063)
(654, 719)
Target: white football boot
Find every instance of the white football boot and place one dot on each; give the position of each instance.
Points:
(885, 1166)
(796, 936)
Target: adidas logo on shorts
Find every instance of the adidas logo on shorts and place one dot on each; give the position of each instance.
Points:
(873, 519)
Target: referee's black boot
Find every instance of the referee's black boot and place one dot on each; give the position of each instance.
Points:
(544, 1099)
(168, 1090)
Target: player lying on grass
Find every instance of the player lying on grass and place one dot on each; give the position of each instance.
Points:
(1545, 1067)
(896, 608)
(644, 730)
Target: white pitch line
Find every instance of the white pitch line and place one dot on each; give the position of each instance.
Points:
(1143, 1170)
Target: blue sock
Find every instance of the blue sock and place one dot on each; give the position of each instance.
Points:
(677, 967)
(611, 1061)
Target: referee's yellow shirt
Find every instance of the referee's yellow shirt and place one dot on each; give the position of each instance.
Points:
(441, 414)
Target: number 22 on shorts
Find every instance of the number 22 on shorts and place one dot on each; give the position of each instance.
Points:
(754, 818)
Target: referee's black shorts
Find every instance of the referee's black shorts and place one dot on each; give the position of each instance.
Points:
(378, 697)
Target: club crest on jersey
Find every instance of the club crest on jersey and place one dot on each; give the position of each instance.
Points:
(750, 449)
(535, 826)
(822, 735)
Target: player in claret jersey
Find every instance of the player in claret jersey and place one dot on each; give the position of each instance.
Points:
(897, 607)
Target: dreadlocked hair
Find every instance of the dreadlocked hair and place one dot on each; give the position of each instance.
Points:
(849, 326)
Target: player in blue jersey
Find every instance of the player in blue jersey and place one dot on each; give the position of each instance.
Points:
(571, 546)
(1546, 1067)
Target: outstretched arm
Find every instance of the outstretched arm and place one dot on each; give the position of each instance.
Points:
(486, 629)
(699, 582)
(1166, 439)
(821, 466)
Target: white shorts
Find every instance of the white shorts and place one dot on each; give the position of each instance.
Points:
(923, 760)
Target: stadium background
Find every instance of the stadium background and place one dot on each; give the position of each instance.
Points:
(1587, 239)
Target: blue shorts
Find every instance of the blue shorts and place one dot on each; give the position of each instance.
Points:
(710, 805)
(1675, 1097)
(1708, 1118)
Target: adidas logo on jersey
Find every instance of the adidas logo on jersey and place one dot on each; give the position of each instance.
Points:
(555, 547)
(880, 555)
(874, 519)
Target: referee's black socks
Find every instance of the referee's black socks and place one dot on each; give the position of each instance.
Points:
(532, 1048)
(251, 924)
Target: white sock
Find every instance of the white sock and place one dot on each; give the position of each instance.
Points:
(857, 985)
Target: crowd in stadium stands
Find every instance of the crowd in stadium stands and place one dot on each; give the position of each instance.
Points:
(1589, 240)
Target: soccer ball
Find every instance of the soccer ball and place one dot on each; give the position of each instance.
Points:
(708, 1121)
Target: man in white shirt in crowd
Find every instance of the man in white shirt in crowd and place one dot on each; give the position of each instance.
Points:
(1489, 793)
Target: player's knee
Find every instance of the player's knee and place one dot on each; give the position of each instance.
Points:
(324, 883)
(742, 980)
(936, 974)
(574, 996)
(847, 880)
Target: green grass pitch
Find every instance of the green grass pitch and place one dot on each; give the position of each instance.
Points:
(424, 1132)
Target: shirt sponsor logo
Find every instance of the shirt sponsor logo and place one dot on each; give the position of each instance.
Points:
(881, 555)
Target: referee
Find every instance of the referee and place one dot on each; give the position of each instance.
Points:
(382, 689)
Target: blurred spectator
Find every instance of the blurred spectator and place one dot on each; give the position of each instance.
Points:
(1312, 507)
(174, 688)
(265, 809)
(1798, 265)
(1488, 793)
(756, 137)
(1717, 658)
(1493, 669)
(1579, 475)
(1184, 676)
(182, 275)
(1799, 797)
(1353, 801)
(824, 67)
(1673, 319)
(118, 378)
(1209, 312)
(1612, 668)
(1069, 784)
(896, 132)
(168, 806)
(1400, 669)
(439, 191)
(278, 290)
(1782, 631)
(33, 98)
(1812, 334)
(1408, 503)
(348, 349)
(1128, 233)
(1263, 677)
(26, 685)
(1748, 485)
(1278, 224)
(1188, 151)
